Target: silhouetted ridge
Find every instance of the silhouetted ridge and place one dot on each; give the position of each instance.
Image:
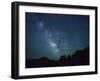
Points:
(80, 57)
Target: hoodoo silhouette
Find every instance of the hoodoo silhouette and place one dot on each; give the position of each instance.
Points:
(80, 57)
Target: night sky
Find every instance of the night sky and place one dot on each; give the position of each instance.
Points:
(54, 35)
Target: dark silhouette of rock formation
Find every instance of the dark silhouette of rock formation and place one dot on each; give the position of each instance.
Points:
(80, 57)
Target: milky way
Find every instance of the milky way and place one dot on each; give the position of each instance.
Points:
(54, 35)
(48, 37)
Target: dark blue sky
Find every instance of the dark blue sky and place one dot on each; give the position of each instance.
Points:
(54, 35)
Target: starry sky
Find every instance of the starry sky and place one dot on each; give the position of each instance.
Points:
(54, 35)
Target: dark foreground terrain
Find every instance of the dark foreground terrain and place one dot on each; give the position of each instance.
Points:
(80, 57)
